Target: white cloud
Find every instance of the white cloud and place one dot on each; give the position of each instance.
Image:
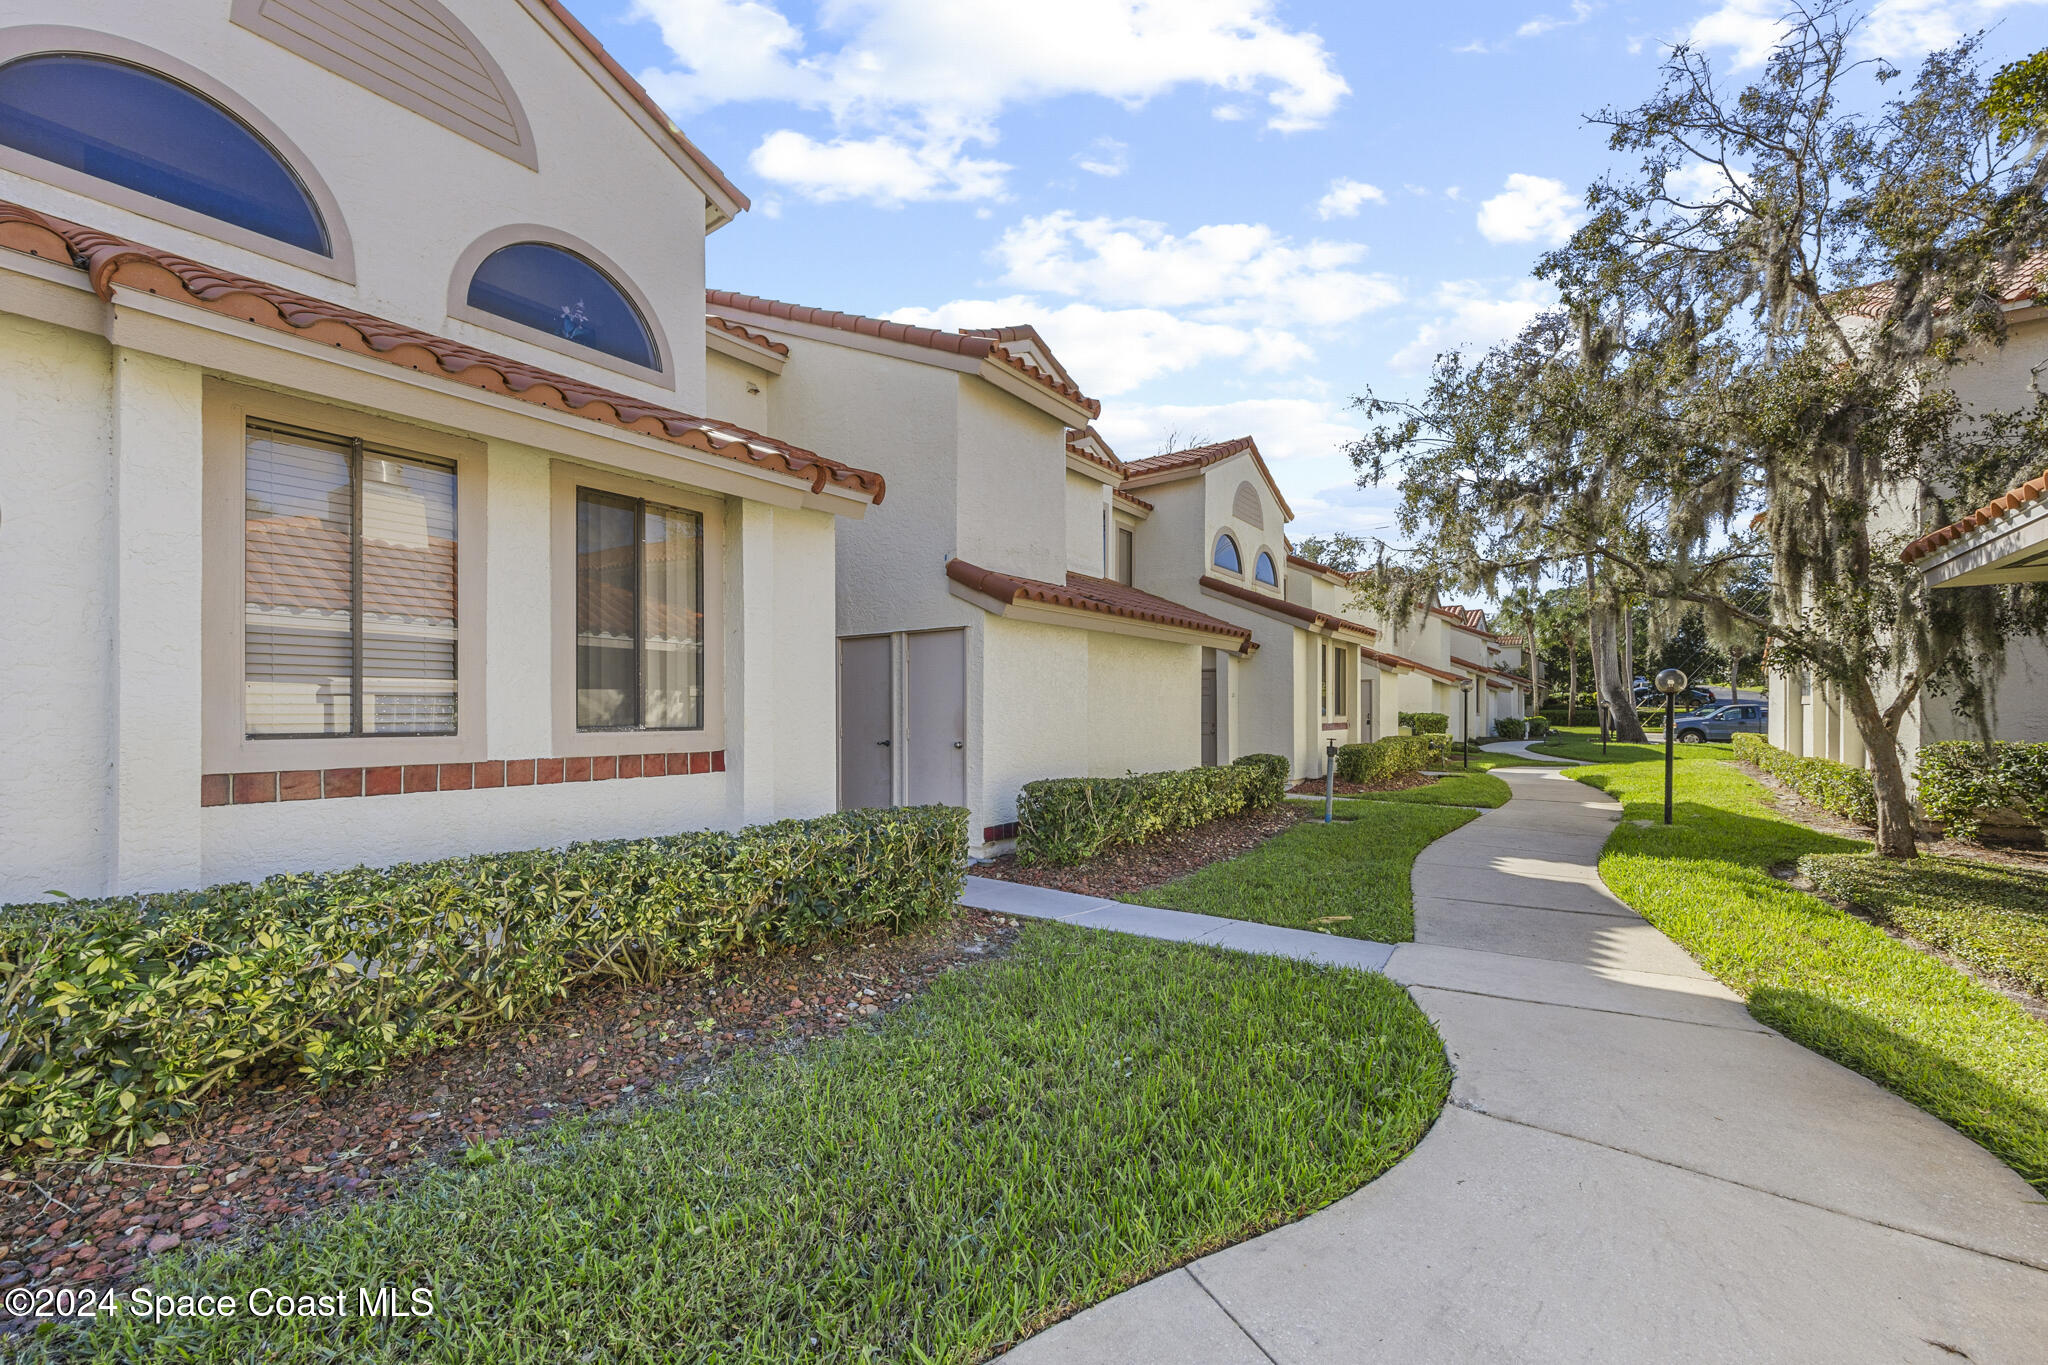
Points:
(1530, 208)
(1105, 157)
(882, 169)
(1229, 113)
(933, 78)
(1113, 350)
(1544, 23)
(1229, 272)
(1469, 314)
(1901, 30)
(1346, 196)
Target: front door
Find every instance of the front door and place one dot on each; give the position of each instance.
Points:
(937, 722)
(867, 766)
(1365, 711)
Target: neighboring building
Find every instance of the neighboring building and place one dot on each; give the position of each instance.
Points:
(989, 632)
(2005, 541)
(354, 507)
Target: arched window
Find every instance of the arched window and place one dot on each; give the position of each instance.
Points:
(129, 126)
(553, 290)
(1262, 569)
(1226, 554)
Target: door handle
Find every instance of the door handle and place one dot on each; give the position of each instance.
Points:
(883, 742)
(959, 743)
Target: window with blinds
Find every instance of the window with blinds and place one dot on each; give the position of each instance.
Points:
(348, 589)
(639, 615)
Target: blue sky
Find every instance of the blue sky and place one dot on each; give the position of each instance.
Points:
(1226, 216)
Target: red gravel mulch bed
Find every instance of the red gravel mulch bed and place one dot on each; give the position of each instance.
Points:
(1121, 871)
(1400, 782)
(261, 1156)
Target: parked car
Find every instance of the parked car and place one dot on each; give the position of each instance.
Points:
(1696, 696)
(1719, 724)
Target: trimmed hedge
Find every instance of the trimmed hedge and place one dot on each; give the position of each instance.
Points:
(1538, 726)
(1272, 784)
(1834, 787)
(1425, 722)
(1511, 727)
(1066, 820)
(1383, 759)
(123, 1014)
(1961, 782)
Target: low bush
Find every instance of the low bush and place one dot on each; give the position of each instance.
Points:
(1962, 782)
(1425, 722)
(1272, 784)
(1511, 727)
(1066, 820)
(123, 1014)
(1383, 759)
(1538, 726)
(1834, 787)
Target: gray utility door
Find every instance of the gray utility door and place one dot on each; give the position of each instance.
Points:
(1365, 711)
(867, 766)
(1208, 708)
(936, 721)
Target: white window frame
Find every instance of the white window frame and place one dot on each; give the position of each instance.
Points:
(225, 744)
(569, 741)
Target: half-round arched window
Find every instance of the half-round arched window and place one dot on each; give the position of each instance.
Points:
(1262, 569)
(129, 126)
(1226, 554)
(555, 291)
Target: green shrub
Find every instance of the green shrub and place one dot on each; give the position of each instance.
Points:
(1511, 727)
(1272, 784)
(1066, 820)
(1834, 787)
(1962, 782)
(122, 1014)
(1425, 722)
(1383, 759)
(1539, 726)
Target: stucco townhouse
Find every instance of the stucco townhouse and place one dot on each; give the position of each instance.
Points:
(990, 630)
(353, 508)
(2005, 541)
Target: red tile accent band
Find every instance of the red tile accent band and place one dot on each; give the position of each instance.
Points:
(312, 784)
(991, 833)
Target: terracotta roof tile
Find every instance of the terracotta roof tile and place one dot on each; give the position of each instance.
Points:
(2030, 491)
(1487, 669)
(982, 345)
(1302, 563)
(1132, 498)
(1468, 618)
(731, 328)
(1159, 468)
(1085, 593)
(1305, 614)
(1079, 442)
(2014, 283)
(111, 261)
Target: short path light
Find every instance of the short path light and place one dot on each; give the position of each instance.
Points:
(1670, 682)
(1329, 780)
(1465, 710)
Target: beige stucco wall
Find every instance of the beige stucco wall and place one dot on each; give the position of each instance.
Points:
(736, 392)
(1011, 509)
(1087, 524)
(413, 194)
(100, 543)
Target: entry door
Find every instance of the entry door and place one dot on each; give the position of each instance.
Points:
(1208, 708)
(936, 722)
(867, 764)
(1365, 710)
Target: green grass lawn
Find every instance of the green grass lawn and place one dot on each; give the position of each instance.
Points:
(1023, 1140)
(1348, 878)
(1821, 976)
(1586, 748)
(1483, 762)
(1993, 916)
(1453, 788)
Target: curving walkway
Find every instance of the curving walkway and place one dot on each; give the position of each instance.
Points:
(1631, 1168)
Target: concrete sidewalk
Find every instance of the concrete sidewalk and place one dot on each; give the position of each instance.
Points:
(1631, 1168)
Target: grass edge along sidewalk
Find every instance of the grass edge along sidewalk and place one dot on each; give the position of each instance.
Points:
(1350, 878)
(1817, 974)
(1023, 1140)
